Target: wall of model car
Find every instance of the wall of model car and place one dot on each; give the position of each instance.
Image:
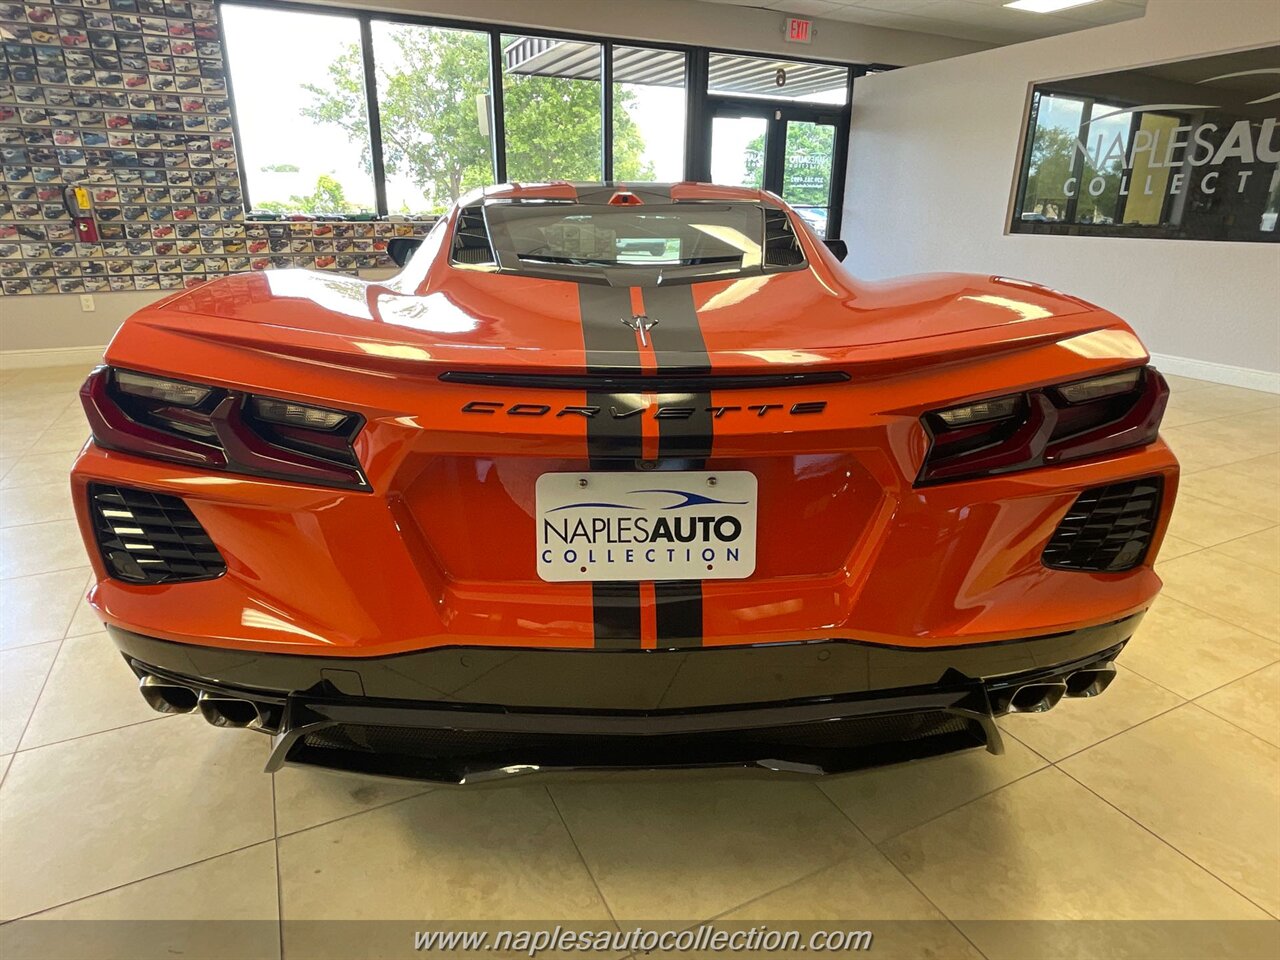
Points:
(120, 171)
(126, 274)
(934, 159)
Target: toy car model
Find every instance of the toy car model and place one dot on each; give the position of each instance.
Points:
(543, 500)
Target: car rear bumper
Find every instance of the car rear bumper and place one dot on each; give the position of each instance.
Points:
(462, 714)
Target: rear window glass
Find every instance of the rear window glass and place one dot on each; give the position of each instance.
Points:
(691, 239)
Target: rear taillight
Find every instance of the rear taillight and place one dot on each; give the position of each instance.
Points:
(1048, 425)
(222, 429)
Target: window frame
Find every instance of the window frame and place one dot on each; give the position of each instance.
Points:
(698, 101)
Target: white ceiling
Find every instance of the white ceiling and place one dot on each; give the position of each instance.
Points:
(987, 21)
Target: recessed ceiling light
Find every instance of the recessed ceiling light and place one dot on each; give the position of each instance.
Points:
(1046, 6)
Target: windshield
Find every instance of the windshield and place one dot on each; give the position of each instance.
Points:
(691, 238)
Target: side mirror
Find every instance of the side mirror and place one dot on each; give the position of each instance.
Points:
(838, 247)
(400, 249)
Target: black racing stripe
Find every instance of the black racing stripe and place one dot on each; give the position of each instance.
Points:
(611, 348)
(612, 442)
(680, 349)
(679, 613)
(616, 607)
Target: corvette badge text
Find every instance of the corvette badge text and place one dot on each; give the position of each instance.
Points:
(663, 526)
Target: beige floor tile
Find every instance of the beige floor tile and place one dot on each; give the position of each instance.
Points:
(1172, 547)
(1078, 723)
(1199, 447)
(127, 804)
(1215, 402)
(68, 432)
(866, 887)
(691, 848)
(17, 436)
(39, 504)
(90, 689)
(1252, 702)
(1128, 940)
(226, 907)
(1206, 523)
(22, 674)
(39, 608)
(84, 620)
(1045, 848)
(1204, 786)
(888, 800)
(1260, 549)
(1237, 592)
(6, 463)
(309, 797)
(487, 854)
(4, 765)
(1185, 384)
(1190, 652)
(40, 548)
(1252, 486)
(40, 468)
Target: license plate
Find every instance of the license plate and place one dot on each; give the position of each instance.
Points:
(646, 526)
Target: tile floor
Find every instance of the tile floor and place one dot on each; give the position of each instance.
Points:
(1159, 800)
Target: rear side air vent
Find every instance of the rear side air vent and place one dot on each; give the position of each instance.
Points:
(1107, 529)
(471, 238)
(781, 248)
(150, 537)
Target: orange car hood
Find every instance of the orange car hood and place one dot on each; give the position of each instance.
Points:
(812, 317)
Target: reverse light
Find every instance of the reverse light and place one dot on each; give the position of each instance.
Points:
(980, 412)
(219, 429)
(157, 388)
(1053, 424)
(1095, 388)
(297, 414)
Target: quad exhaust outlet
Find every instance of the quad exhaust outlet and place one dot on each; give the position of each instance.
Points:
(167, 696)
(1046, 694)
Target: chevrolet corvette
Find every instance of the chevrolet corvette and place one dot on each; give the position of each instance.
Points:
(621, 475)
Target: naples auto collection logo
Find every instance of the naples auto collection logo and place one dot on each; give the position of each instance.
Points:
(1199, 149)
(673, 535)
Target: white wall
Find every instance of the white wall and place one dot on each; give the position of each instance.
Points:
(691, 22)
(933, 158)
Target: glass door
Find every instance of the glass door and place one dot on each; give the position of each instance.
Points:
(808, 164)
(787, 149)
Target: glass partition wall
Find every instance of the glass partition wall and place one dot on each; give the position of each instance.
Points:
(400, 115)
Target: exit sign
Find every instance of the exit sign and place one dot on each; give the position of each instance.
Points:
(798, 30)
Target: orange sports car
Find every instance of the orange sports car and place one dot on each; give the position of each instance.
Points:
(621, 475)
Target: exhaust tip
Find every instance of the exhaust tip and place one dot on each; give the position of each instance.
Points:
(1090, 682)
(1036, 697)
(164, 696)
(228, 711)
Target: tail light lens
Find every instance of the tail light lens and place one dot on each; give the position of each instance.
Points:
(1055, 424)
(222, 429)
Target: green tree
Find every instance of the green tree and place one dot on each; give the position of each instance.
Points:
(430, 105)
(806, 167)
(1048, 172)
(328, 197)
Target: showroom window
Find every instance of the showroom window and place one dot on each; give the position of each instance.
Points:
(398, 114)
(648, 114)
(737, 76)
(304, 127)
(433, 108)
(1187, 150)
(552, 109)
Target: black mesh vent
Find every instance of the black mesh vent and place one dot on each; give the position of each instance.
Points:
(781, 248)
(1107, 528)
(151, 538)
(471, 237)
